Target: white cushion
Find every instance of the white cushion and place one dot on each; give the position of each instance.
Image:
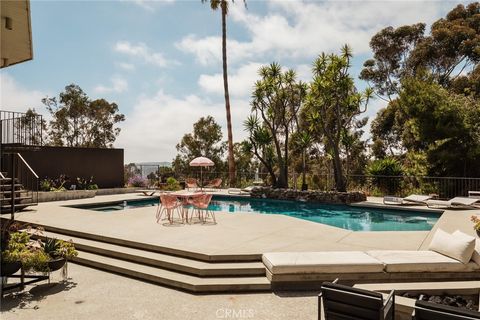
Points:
(476, 250)
(321, 262)
(419, 261)
(456, 247)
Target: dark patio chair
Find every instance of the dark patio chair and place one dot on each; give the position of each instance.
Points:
(346, 303)
(433, 311)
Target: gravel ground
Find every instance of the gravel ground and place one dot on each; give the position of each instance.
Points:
(93, 294)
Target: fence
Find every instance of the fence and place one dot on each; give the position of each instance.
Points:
(444, 187)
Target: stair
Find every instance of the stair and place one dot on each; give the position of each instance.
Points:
(23, 198)
(168, 269)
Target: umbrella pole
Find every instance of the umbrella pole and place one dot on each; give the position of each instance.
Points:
(201, 179)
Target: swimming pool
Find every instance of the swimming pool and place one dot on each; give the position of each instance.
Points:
(342, 216)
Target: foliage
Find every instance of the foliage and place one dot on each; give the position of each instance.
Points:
(57, 248)
(56, 185)
(172, 184)
(476, 222)
(36, 125)
(452, 46)
(137, 181)
(276, 102)
(78, 121)
(205, 140)
(129, 170)
(332, 105)
(391, 48)
(385, 167)
(86, 184)
(380, 170)
(433, 88)
(441, 125)
(20, 248)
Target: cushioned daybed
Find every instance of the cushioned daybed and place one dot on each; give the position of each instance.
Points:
(305, 270)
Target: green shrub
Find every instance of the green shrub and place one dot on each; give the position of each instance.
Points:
(172, 184)
(381, 171)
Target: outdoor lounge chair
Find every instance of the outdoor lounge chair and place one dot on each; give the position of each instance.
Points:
(191, 183)
(474, 194)
(455, 203)
(411, 199)
(344, 302)
(432, 311)
(214, 184)
(241, 191)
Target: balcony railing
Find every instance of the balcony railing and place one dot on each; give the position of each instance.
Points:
(17, 128)
(443, 187)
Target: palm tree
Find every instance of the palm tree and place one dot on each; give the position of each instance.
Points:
(223, 5)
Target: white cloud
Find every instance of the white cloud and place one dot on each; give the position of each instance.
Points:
(126, 66)
(142, 52)
(15, 97)
(240, 82)
(151, 5)
(156, 124)
(118, 85)
(294, 30)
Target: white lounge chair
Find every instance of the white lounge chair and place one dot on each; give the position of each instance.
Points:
(411, 199)
(455, 203)
(240, 191)
(474, 194)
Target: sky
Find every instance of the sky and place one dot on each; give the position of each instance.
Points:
(160, 61)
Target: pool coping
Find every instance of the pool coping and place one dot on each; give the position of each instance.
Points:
(253, 234)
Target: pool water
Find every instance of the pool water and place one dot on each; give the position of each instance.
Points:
(342, 216)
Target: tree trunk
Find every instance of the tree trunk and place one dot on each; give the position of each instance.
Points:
(231, 160)
(340, 182)
(303, 169)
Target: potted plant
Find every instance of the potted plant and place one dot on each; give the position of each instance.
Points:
(22, 252)
(10, 256)
(59, 251)
(476, 224)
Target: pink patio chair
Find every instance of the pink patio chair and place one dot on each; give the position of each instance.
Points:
(214, 184)
(168, 204)
(191, 183)
(200, 205)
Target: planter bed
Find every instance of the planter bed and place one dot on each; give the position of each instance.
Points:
(46, 196)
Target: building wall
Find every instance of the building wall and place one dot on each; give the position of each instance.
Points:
(105, 165)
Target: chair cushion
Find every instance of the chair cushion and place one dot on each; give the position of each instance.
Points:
(458, 247)
(476, 251)
(321, 262)
(419, 261)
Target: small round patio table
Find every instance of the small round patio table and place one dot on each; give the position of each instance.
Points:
(185, 197)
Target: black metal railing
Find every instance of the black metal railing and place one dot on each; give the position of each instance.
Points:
(443, 187)
(22, 178)
(21, 128)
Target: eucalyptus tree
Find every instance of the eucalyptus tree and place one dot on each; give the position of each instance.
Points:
(204, 141)
(223, 6)
(332, 105)
(78, 121)
(276, 101)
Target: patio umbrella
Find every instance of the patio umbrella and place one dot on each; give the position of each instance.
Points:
(201, 162)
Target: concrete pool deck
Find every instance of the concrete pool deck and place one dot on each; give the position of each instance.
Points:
(235, 234)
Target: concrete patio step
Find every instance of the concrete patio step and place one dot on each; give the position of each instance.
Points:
(173, 279)
(210, 258)
(165, 261)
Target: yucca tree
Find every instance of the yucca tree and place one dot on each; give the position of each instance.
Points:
(223, 6)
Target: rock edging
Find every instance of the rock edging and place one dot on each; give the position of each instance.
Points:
(331, 197)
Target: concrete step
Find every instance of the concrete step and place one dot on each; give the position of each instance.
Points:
(17, 199)
(153, 247)
(161, 260)
(173, 279)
